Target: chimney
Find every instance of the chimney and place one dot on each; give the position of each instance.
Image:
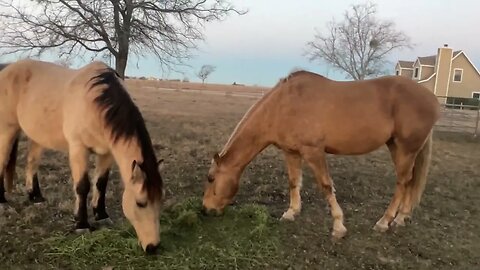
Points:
(442, 68)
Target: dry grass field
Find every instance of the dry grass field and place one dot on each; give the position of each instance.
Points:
(187, 128)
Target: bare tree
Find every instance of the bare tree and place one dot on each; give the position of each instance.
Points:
(358, 45)
(64, 62)
(168, 29)
(205, 71)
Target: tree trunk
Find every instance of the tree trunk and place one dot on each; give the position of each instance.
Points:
(122, 33)
(121, 64)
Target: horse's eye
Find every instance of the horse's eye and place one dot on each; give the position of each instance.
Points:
(141, 204)
(210, 178)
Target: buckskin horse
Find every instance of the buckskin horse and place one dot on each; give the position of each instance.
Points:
(308, 116)
(80, 112)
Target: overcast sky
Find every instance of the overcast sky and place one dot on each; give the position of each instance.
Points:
(268, 42)
(265, 44)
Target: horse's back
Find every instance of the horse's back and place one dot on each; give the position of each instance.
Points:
(385, 96)
(366, 113)
(46, 98)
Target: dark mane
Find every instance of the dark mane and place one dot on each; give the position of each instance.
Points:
(125, 121)
(300, 72)
(2, 66)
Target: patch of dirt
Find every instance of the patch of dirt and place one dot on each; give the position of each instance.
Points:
(188, 128)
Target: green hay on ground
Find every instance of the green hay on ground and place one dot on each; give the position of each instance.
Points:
(244, 237)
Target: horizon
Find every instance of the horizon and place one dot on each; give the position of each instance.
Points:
(248, 54)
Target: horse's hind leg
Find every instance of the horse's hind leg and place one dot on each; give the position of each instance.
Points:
(294, 163)
(31, 175)
(405, 204)
(404, 161)
(10, 175)
(99, 183)
(316, 159)
(7, 138)
(78, 156)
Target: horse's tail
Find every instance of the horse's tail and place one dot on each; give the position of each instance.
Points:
(10, 173)
(420, 171)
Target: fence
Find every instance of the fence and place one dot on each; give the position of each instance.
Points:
(459, 115)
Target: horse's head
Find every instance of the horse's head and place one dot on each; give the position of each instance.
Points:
(141, 204)
(221, 187)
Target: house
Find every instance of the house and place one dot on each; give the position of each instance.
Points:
(447, 74)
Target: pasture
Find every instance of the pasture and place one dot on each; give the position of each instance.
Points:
(186, 129)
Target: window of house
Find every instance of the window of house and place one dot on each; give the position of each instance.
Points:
(476, 95)
(398, 72)
(415, 75)
(457, 75)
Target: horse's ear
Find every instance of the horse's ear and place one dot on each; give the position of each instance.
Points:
(160, 164)
(216, 158)
(134, 164)
(137, 173)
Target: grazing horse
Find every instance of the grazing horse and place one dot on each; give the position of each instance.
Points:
(308, 116)
(81, 112)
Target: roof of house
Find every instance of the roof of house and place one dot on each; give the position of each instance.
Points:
(424, 60)
(405, 64)
(427, 60)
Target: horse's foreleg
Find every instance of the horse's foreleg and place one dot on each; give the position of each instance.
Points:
(78, 157)
(404, 162)
(316, 159)
(31, 176)
(294, 163)
(99, 183)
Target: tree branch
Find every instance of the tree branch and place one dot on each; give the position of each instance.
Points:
(359, 44)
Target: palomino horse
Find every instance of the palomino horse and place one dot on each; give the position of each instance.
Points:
(81, 112)
(307, 116)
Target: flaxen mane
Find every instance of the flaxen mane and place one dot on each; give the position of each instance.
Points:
(258, 104)
(125, 121)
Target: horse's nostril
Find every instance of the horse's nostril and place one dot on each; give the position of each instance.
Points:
(151, 249)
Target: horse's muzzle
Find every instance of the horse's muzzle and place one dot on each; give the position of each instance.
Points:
(151, 249)
(210, 212)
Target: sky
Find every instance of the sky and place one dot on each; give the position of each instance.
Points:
(269, 41)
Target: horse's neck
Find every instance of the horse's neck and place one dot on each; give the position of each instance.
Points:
(246, 142)
(124, 154)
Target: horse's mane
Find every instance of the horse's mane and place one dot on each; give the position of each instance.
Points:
(125, 121)
(3, 65)
(300, 72)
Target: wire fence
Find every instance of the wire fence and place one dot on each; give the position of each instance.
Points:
(459, 115)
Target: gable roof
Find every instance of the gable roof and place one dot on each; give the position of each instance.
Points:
(468, 59)
(427, 60)
(405, 64)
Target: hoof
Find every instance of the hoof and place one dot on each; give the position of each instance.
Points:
(39, 201)
(106, 222)
(288, 216)
(82, 231)
(380, 227)
(36, 199)
(83, 227)
(398, 223)
(339, 234)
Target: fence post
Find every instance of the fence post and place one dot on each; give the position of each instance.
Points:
(476, 122)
